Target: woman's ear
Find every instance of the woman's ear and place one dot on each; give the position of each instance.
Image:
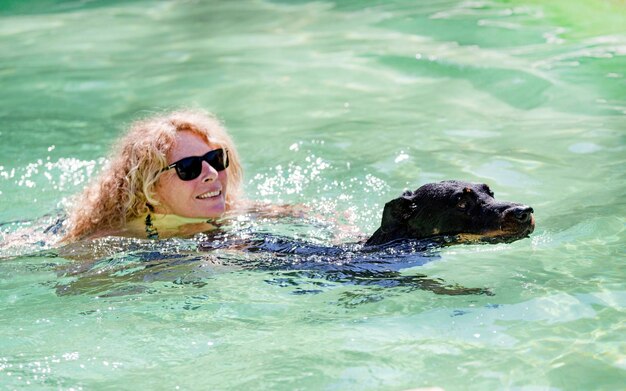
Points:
(160, 209)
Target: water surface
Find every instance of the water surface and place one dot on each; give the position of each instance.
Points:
(341, 106)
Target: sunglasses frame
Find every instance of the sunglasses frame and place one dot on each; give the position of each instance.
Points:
(202, 158)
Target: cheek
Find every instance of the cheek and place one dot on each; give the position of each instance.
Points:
(167, 189)
(160, 190)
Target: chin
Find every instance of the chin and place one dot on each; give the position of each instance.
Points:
(214, 211)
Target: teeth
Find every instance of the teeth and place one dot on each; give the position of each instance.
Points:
(209, 194)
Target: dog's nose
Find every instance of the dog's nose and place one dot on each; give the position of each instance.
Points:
(522, 213)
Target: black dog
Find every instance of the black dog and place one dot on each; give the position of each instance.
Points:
(461, 211)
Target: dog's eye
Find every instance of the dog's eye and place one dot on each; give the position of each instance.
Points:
(462, 204)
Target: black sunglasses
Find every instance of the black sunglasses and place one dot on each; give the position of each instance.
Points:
(190, 168)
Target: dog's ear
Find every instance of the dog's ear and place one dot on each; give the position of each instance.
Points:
(396, 211)
(393, 223)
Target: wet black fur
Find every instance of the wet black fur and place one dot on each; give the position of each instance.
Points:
(451, 208)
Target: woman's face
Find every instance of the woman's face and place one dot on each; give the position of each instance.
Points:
(202, 197)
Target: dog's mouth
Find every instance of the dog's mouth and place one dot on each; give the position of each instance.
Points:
(506, 233)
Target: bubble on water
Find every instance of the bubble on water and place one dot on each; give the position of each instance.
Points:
(72, 356)
(375, 184)
(402, 156)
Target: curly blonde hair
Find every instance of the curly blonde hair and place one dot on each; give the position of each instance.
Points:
(126, 187)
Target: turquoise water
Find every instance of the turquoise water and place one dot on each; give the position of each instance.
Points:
(338, 105)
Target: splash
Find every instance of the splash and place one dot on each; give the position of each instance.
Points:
(61, 175)
(41, 179)
(339, 209)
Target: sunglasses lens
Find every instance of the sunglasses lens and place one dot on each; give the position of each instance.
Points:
(189, 168)
(217, 159)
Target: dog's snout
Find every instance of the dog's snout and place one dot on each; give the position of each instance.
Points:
(522, 213)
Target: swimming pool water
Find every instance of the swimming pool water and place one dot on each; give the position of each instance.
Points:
(341, 106)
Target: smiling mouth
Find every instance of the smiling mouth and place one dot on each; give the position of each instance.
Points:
(209, 194)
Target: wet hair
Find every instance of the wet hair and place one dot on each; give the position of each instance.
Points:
(125, 189)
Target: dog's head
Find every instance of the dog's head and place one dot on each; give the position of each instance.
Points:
(462, 212)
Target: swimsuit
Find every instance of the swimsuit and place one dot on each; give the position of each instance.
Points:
(151, 231)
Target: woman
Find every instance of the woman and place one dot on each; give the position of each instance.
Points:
(170, 175)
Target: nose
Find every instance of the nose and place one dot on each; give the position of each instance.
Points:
(209, 174)
(522, 213)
